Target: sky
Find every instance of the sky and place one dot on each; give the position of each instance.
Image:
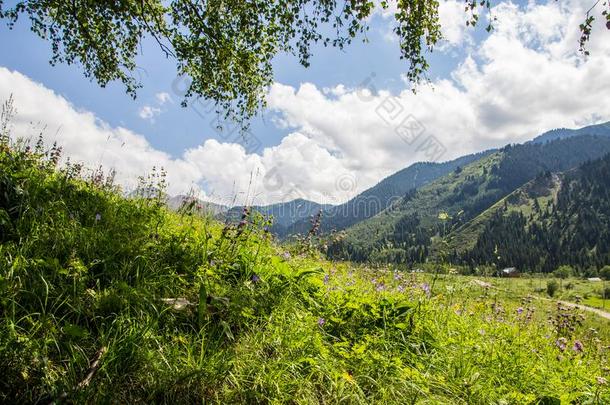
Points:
(335, 129)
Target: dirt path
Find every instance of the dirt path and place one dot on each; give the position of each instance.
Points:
(599, 312)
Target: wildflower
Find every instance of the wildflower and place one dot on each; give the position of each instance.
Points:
(255, 278)
(286, 255)
(326, 278)
(601, 380)
(321, 321)
(578, 346)
(380, 287)
(561, 343)
(519, 310)
(401, 288)
(426, 288)
(212, 263)
(98, 217)
(397, 276)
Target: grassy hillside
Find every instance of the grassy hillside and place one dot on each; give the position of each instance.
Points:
(111, 300)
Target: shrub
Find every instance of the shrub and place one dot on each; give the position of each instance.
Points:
(551, 287)
(563, 272)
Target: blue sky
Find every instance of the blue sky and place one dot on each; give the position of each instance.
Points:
(177, 128)
(324, 137)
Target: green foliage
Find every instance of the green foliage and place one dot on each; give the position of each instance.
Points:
(604, 273)
(564, 272)
(551, 287)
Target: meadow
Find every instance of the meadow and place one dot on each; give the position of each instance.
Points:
(108, 299)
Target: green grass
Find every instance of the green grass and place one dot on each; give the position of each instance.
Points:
(84, 273)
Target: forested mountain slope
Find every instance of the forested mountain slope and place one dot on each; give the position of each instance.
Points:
(404, 232)
(568, 224)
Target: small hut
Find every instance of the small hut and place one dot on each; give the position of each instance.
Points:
(510, 272)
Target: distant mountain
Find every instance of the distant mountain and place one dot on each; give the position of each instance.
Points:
(562, 133)
(404, 232)
(377, 198)
(283, 214)
(207, 207)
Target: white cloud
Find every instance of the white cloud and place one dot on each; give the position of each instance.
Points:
(522, 79)
(148, 112)
(163, 98)
(453, 19)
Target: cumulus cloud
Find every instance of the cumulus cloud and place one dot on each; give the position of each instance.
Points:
(221, 172)
(522, 79)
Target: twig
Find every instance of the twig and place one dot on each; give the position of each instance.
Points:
(95, 365)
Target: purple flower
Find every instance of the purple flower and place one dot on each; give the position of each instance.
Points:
(321, 321)
(426, 288)
(98, 217)
(578, 346)
(286, 255)
(380, 287)
(326, 278)
(397, 276)
(255, 278)
(401, 288)
(519, 310)
(561, 343)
